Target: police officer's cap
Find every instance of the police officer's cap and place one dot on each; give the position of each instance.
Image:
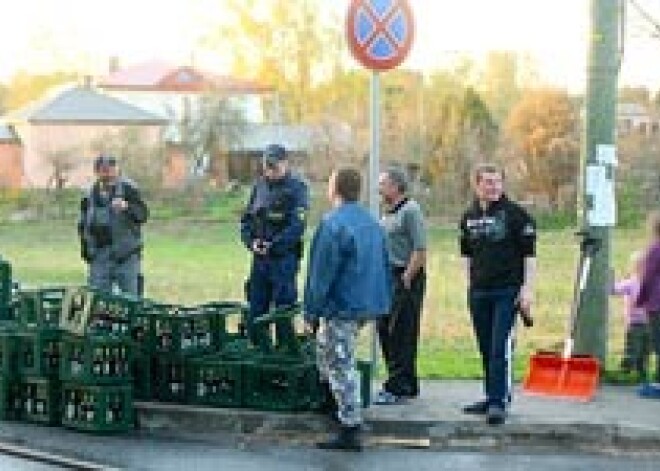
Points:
(104, 161)
(273, 154)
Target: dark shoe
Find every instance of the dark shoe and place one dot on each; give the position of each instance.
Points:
(478, 408)
(496, 415)
(650, 391)
(328, 405)
(348, 439)
(333, 415)
(625, 366)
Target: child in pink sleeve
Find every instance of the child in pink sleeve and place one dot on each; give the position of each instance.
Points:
(637, 337)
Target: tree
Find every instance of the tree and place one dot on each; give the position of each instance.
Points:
(543, 135)
(209, 135)
(639, 95)
(141, 162)
(3, 98)
(24, 88)
(62, 162)
(283, 43)
(638, 175)
(498, 84)
(460, 131)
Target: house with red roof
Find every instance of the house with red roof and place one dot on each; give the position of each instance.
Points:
(175, 91)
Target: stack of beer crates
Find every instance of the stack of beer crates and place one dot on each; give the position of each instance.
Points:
(6, 284)
(79, 358)
(217, 379)
(284, 377)
(279, 374)
(37, 346)
(173, 337)
(97, 357)
(10, 405)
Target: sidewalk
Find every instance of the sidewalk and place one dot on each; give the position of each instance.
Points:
(616, 420)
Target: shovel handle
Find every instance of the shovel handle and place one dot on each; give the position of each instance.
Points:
(568, 348)
(588, 247)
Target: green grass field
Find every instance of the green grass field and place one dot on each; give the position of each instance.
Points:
(195, 262)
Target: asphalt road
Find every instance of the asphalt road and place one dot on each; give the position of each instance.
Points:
(147, 453)
(11, 463)
(165, 455)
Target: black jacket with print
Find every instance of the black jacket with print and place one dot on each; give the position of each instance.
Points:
(497, 240)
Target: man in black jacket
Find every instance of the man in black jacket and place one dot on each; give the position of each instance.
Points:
(111, 215)
(497, 242)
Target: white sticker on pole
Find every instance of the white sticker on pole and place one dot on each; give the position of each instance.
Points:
(602, 210)
(606, 154)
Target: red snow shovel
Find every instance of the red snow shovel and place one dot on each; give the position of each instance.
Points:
(566, 375)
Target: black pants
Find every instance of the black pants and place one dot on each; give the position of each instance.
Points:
(399, 335)
(654, 328)
(492, 312)
(637, 349)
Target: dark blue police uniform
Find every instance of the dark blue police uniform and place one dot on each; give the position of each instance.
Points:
(275, 214)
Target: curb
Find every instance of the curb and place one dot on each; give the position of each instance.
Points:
(157, 418)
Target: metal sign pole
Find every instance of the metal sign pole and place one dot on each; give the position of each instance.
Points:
(374, 170)
(379, 36)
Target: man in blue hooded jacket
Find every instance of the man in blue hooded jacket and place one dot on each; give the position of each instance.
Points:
(348, 282)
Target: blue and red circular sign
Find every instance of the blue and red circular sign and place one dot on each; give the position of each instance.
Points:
(380, 32)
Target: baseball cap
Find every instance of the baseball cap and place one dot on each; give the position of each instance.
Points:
(273, 154)
(104, 160)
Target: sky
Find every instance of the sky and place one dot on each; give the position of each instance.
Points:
(46, 34)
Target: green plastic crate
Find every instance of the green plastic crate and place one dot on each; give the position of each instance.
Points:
(5, 289)
(163, 333)
(216, 382)
(281, 387)
(222, 313)
(180, 330)
(39, 352)
(240, 349)
(76, 310)
(142, 374)
(96, 359)
(11, 405)
(9, 352)
(41, 400)
(40, 308)
(364, 368)
(197, 328)
(141, 330)
(98, 408)
(112, 314)
(170, 378)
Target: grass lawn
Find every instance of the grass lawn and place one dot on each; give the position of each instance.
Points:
(195, 262)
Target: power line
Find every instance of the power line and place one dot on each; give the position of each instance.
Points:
(655, 24)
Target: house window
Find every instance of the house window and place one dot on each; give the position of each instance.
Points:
(627, 124)
(642, 128)
(185, 76)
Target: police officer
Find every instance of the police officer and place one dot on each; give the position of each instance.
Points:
(272, 228)
(111, 215)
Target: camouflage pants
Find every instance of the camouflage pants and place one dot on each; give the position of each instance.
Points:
(335, 356)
